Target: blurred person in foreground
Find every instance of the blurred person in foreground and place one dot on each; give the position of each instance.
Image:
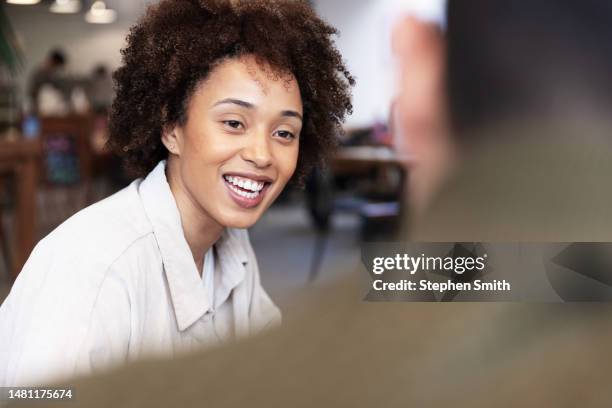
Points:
(516, 76)
(219, 105)
(509, 122)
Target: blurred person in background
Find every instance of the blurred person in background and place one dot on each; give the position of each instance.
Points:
(50, 76)
(507, 60)
(219, 104)
(100, 89)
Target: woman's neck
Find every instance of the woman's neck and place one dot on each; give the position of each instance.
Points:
(200, 229)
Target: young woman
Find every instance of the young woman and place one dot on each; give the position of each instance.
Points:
(219, 104)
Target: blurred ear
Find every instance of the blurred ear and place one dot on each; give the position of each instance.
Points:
(420, 108)
(419, 48)
(172, 138)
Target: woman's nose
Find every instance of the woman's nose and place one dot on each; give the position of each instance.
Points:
(258, 150)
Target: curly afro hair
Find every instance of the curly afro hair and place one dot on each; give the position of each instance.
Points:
(177, 43)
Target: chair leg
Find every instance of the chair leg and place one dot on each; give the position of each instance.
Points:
(321, 241)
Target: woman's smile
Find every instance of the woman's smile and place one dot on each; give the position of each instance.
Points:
(247, 191)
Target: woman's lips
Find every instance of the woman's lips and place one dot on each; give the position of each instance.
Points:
(243, 197)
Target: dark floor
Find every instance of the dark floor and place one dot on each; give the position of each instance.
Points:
(284, 242)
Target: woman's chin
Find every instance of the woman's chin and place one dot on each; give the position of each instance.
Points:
(241, 221)
(241, 225)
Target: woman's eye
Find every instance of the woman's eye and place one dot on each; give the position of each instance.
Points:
(234, 124)
(284, 134)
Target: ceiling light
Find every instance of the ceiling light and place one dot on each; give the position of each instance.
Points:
(99, 14)
(65, 6)
(23, 1)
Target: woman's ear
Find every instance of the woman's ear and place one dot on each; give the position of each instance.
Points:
(172, 139)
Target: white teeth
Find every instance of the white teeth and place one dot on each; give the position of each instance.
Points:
(244, 193)
(248, 184)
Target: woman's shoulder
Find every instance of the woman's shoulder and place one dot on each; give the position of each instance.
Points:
(82, 263)
(102, 231)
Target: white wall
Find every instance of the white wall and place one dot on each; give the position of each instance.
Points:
(365, 29)
(364, 40)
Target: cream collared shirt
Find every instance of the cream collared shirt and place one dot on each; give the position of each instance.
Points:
(117, 282)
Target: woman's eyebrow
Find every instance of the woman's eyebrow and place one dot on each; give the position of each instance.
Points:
(292, 114)
(249, 105)
(238, 102)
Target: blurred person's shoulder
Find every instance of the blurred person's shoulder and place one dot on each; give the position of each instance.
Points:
(528, 181)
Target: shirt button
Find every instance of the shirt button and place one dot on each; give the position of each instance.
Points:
(208, 315)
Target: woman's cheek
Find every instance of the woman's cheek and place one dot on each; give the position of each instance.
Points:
(289, 158)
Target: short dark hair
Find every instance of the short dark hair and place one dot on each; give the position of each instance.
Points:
(175, 45)
(518, 58)
(57, 57)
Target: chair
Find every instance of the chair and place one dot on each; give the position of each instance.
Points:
(65, 168)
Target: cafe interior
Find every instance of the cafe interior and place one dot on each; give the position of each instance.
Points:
(56, 63)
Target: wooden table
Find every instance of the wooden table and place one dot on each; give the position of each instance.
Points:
(355, 158)
(354, 162)
(359, 161)
(20, 159)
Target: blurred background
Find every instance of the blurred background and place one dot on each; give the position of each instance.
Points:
(57, 58)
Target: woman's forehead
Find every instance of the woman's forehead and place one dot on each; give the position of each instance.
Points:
(245, 77)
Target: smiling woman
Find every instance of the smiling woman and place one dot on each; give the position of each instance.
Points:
(236, 150)
(219, 105)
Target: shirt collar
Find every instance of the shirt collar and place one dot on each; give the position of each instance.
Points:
(189, 297)
(232, 260)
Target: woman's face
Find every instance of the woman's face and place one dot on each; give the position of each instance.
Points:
(239, 145)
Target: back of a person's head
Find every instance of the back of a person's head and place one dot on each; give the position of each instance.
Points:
(541, 58)
(528, 95)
